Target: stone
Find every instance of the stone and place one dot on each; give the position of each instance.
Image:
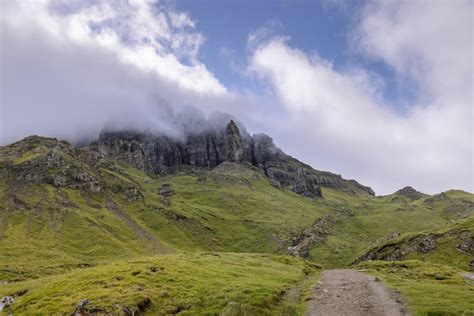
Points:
(166, 190)
(143, 304)
(5, 301)
(81, 307)
(234, 151)
(427, 244)
(59, 181)
(439, 277)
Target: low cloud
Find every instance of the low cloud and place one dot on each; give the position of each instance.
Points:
(68, 69)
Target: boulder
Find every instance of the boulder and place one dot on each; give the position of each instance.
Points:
(5, 301)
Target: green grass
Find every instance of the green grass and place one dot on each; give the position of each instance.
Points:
(430, 289)
(374, 218)
(28, 156)
(50, 236)
(69, 243)
(200, 283)
(448, 238)
(215, 208)
(232, 208)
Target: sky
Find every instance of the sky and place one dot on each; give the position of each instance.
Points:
(377, 91)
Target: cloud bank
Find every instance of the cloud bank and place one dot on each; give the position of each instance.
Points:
(68, 69)
(344, 115)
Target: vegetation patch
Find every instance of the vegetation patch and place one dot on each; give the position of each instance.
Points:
(430, 289)
(199, 283)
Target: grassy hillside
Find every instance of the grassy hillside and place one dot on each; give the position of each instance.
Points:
(430, 289)
(52, 228)
(370, 222)
(452, 245)
(75, 224)
(63, 207)
(206, 283)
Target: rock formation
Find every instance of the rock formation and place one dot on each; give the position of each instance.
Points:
(234, 151)
(410, 193)
(400, 248)
(161, 155)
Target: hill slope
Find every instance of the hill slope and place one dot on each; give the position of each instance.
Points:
(452, 245)
(207, 283)
(61, 211)
(69, 212)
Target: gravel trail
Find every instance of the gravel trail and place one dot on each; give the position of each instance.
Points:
(343, 292)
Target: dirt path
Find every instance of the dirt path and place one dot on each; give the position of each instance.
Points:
(348, 292)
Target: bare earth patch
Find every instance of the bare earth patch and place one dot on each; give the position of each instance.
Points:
(349, 292)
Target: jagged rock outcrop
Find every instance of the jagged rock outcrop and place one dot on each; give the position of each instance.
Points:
(161, 155)
(38, 160)
(410, 193)
(46, 162)
(233, 143)
(399, 249)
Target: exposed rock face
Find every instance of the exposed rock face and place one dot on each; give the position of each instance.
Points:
(423, 243)
(161, 155)
(410, 193)
(301, 244)
(38, 160)
(233, 143)
(48, 164)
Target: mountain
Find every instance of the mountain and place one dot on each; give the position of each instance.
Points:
(211, 216)
(162, 155)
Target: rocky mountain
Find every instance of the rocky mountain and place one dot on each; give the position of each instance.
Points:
(214, 222)
(163, 155)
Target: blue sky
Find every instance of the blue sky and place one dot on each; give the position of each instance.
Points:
(227, 25)
(378, 91)
(321, 27)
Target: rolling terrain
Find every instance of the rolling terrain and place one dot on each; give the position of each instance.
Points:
(219, 223)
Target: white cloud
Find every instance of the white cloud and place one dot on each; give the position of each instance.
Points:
(342, 115)
(181, 20)
(270, 29)
(141, 33)
(431, 43)
(70, 67)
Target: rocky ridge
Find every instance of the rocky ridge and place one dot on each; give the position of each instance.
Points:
(162, 155)
(458, 237)
(36, 160)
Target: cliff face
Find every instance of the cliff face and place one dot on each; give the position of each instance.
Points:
(161, 155)
(233, 143)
